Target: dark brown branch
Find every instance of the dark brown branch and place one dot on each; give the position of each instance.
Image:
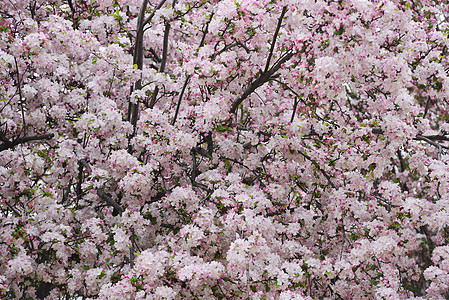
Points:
(378, 131)
(179, 100)
(150, 17)
(426, 110)
(430, 139)
(15, 212)
(66, 193)
(163, 61)
(403, 167)
(295, 105)
(133, 108)
(105, 197)
(78, 189)
(19, 83)
(319, 168)
(195, 172)
(201, 186)
(435, 137)
(188, 77)
(210, 143)
(262, 79)
(72, 8)
(273, 43)
(3, 133)
(205, 31)
(255, 174)
(286, 86)
(155, 55)
(133, 246)
(165, 47)
(427, 138)
(201, 151)
(86, 165)
(401, 160)
(435, 144)
(11, 144)
(153, 97)
(82, 165)
(228, 47)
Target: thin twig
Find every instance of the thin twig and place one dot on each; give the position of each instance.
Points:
(273, 43)
(206, 30)
(295, 105)
(131, 250)
(319, 168)
(179, 100)
(19, 83)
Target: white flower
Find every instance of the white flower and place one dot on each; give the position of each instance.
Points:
(165, 292)
(121, 239)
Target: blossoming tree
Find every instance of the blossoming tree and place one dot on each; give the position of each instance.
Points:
(224, 149)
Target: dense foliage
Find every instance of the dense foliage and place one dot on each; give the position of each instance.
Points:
(224, 149)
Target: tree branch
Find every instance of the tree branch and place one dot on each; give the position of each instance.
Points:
(206, 30)
(86, 165)
(179, 100)
(435, 137)
(133, 108)
(273, 43)
(427, 138)
(105, 197)
(11, 144)
(378, 131)
(82, 165)
(19, 83)
(72, 8)
(163, 61)
(318, 167)
(155, 55)
(165, 47)
(295, 105)
(430, 139)
(262, 79)
(150, 17)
